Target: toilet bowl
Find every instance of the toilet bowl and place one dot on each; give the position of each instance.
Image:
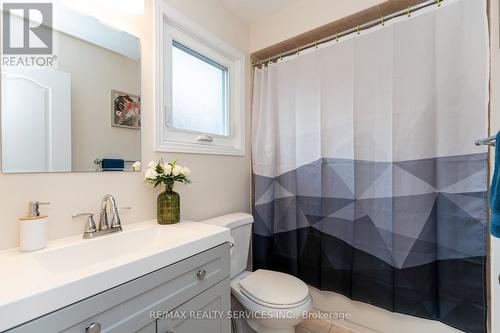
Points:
(274, 302)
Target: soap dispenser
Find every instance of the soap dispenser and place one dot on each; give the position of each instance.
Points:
(33, 228)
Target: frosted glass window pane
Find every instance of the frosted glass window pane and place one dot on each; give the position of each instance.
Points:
(199, 92)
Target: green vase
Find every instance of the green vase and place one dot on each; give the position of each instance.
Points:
(168, 206)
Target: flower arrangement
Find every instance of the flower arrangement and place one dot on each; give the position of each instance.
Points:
(168, 173)
(168, 202)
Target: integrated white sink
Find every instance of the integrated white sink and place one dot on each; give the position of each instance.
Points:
(70, 269)
(112, 248)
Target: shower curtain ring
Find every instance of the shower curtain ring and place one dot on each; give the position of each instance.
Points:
(438, 2)
(298, 51)
(382, 20)
(359, 31)
(316, 44)
(408, 11)
(337, 37)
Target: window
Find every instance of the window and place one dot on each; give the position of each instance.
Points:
(201, 89)
(199, 92)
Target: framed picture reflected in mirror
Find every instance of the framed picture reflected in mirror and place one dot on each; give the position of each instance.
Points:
(126, 110)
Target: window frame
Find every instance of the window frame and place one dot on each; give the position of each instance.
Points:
(173, 26)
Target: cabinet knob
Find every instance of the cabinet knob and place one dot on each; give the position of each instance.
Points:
(201, 274)
(93, 328)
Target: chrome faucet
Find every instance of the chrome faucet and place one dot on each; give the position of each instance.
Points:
(115, 217)
(91, 231)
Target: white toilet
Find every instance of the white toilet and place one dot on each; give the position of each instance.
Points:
(276, 301)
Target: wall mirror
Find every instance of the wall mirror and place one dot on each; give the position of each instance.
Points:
(80, 113)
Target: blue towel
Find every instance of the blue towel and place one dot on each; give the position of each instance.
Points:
(110, 164)
(495, 193)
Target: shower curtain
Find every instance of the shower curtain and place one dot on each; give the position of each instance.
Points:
(367, 181)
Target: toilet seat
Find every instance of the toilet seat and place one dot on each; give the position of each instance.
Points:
(274, 289)
(275, 306)
(274, 310)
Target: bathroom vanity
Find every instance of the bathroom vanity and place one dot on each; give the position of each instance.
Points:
(148, 278)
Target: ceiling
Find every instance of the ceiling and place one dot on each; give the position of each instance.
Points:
(253, 10)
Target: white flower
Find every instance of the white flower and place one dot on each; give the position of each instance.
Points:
(136, 166)
(151, 174)
(185, 171)
(152, 164)
(167, 169)
(176, 170)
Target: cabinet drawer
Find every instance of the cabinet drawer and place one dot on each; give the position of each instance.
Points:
(126, 308)
(205, 313)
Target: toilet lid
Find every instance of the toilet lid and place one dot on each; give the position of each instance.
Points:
(274, 288)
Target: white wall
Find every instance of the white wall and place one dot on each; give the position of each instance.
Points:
(225, 178)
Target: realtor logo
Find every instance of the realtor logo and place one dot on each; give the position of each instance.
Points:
(27, 28)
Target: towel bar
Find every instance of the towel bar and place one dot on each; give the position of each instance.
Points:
(99, 161)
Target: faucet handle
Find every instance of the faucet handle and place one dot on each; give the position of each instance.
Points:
(115, 220)
(90, 225)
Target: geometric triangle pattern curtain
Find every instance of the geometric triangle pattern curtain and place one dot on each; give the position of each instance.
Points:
(367, 181)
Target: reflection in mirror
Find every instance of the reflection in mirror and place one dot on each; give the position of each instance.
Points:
(81, 114)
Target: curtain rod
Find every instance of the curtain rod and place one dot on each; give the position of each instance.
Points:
(382, 20)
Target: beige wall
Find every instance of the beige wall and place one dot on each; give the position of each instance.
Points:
(227, 179)
(95, 71)
(302, 16)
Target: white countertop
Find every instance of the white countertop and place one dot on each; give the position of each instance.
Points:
(71, 269)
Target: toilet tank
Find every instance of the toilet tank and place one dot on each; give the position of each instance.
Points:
(240, 225)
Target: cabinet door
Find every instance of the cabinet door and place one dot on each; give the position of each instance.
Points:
(151, 328)
(207, 313)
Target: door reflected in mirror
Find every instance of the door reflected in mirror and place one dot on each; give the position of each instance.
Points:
(81, 114)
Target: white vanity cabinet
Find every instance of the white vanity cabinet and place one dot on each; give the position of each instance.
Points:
(195, 292)
(202, 313)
